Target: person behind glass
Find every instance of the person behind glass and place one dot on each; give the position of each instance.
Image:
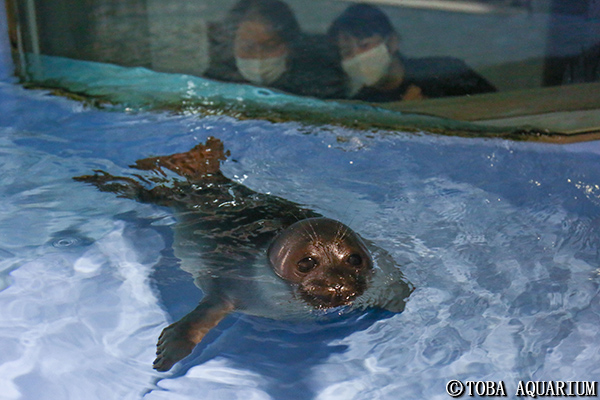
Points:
(269, 49)
(369, 47)
(263, 40)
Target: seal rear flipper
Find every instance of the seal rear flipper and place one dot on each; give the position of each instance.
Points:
(200, 164)
(179, 339)
(128, 188)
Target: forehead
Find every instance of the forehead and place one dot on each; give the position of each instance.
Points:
(346, 38)
(256, 30)
(330, 236)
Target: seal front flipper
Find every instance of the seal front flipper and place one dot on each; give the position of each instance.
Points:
(179, 339)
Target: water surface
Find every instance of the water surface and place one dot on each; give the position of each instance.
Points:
(499, 238)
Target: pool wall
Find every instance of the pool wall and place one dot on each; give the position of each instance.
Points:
(6, 65)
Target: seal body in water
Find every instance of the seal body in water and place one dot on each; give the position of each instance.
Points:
(253, 253)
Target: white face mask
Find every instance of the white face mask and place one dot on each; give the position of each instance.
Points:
(261, 71)
(366, 69)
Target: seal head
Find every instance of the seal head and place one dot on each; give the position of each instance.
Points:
(329, 263)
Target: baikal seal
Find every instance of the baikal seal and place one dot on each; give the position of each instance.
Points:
(253, 253)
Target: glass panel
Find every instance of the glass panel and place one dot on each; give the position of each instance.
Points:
(504, 63)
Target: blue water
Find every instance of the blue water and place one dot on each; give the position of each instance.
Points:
(499, 238)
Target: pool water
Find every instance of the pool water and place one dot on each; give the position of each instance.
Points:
(500, 239)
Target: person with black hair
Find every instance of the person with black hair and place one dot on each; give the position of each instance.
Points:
(268, 48)
(368, 46)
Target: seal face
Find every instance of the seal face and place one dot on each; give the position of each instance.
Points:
(327, 262)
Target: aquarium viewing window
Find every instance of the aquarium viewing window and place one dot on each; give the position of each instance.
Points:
(528, 64)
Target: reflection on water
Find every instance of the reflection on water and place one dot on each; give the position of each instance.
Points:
(499, 238)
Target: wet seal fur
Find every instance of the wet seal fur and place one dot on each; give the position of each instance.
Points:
(222, 233)
(329, 263)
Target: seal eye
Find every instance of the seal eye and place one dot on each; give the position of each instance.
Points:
(354, 259)
(306, 264)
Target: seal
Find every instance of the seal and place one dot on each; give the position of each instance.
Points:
(329, 263)
(250, 252)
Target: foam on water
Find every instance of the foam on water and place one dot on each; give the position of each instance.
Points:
(499, 238)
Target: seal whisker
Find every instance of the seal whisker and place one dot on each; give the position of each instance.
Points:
(337, 237)
(315, 235)
(342, 230)
(309, 232)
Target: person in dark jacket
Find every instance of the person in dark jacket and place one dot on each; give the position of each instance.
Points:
(376, 71)
(261, 43)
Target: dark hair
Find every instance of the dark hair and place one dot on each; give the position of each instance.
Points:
(361, 21)
(274, 12)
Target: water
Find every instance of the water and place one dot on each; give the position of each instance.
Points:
(499, 238)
